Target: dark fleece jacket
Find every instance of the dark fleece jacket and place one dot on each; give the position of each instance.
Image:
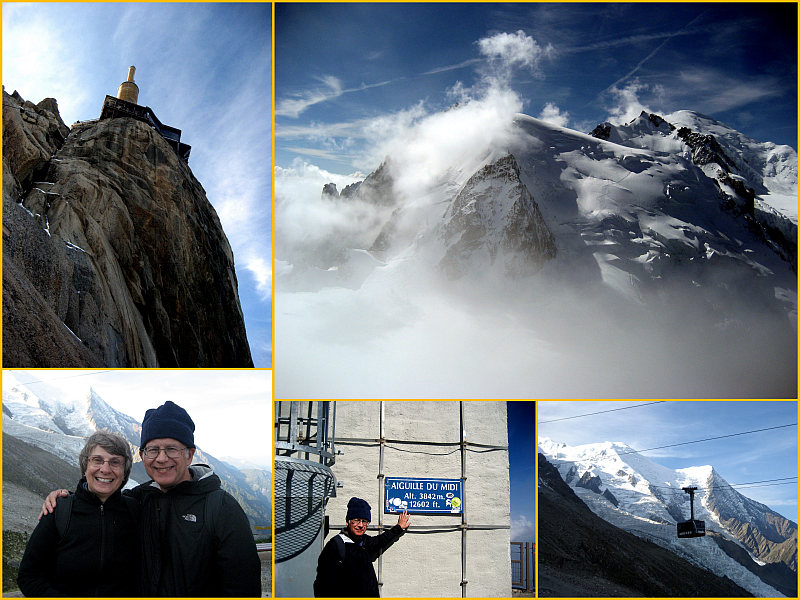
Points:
(183, 555)
(352, 576)
(98, 555)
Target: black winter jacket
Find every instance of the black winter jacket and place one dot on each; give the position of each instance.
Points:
(354, 576)
(181, 556)
(98, 556)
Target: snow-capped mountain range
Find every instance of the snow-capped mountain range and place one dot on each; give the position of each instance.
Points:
(54, 422)
(635, 201)
(673, 234)
(644, 498)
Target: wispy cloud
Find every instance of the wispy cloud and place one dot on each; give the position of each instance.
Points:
(719, 92)
(320, 153)
(294, 107)
(508, 51)
(503, 51)
(462, 65)
(332, 88)
(706, 90)
(682, 31)
(522, 528)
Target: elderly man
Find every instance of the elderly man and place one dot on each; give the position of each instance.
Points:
(196, 539)
(344, 568)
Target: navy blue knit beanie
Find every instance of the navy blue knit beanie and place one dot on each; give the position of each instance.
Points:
(168, 421)
(358, 509)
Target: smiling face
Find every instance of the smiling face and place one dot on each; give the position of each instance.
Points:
(165, 471)
(357, 527)
(103, 480)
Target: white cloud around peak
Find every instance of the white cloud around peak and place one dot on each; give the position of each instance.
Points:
(552, 114)
(514, 50)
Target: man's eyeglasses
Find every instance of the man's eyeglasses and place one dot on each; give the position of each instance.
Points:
(114, 463)
(359, 521)
(153, 451)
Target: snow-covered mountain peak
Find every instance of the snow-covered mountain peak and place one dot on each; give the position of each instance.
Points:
(702, 473)
(647, 499)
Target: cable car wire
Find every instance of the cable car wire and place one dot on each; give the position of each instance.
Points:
(601, 412)
(718, 437)
(748, 484)
(64, 377)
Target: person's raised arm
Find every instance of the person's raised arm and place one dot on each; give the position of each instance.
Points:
(375, 546)
(403, 520)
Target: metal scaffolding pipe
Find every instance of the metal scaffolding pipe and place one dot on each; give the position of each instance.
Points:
(464, 500)
(380, 492)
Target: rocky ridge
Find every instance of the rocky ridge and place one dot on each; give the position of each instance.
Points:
(494, 214)
(113, 255)
(740, 180)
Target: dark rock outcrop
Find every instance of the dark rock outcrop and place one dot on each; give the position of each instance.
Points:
(350, 191)
(329, 190)
(602, 131)
(112, 254)
(610, 497)
(495, 217)
(589, 482)
(377, 188)
(705, 149)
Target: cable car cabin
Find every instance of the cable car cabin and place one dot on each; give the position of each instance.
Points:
(691, 528)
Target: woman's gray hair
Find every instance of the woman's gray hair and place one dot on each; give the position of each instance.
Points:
(111, 442)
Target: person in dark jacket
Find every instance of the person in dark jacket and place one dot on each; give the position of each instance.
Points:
(93, 550)
(195, 538)
(344, 567)
(183, 553)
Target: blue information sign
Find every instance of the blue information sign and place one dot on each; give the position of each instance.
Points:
(422, 495)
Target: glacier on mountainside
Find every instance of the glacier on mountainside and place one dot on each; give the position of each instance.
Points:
(656, 246)
(650, 502)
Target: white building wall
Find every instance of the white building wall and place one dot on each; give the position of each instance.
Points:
(429, 564)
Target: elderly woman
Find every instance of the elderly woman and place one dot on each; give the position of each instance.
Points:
(90, 546)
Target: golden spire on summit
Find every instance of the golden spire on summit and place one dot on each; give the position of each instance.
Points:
(128, 90)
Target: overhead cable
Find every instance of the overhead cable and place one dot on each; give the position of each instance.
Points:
(718, 437)
(64, 377)
(748, 484)
(601, 412)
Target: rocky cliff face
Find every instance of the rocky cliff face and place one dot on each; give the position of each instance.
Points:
(112, 254)
(494, 217)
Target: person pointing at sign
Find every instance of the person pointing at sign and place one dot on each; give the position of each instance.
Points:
(344, 568)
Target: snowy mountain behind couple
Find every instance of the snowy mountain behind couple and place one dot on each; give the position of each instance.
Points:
(746, 541)
(676, 235)
(44, 430)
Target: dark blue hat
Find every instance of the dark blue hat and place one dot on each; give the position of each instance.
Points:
(168, 421)
(358, 509)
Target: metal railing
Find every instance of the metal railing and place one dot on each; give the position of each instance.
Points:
(522, 575)
(304, 453)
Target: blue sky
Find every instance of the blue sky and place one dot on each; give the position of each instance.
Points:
(521, 459)
(347, 74)
(742, 459)
(203, 68)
